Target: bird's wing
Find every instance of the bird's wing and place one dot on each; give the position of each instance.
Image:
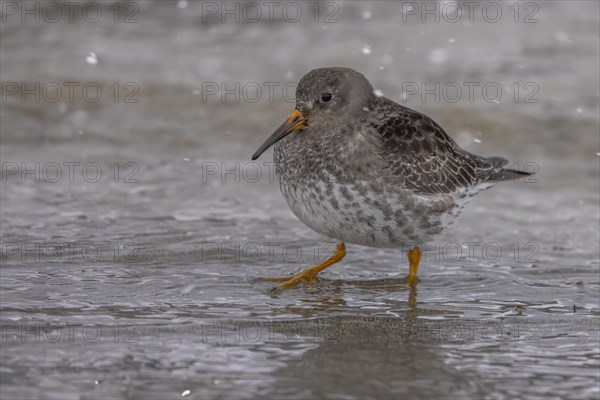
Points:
(419, 155)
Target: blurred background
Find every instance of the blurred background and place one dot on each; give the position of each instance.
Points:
(134, 226)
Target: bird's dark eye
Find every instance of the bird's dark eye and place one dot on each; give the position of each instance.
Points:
(326, 97)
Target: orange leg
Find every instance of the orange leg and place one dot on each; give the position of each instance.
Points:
(310, 274)
(414, 258)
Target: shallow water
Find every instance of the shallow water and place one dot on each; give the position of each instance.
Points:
(143, 284)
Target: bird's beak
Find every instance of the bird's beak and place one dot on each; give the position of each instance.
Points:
(295, 122)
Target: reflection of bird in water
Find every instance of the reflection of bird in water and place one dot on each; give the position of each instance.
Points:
(362, 169)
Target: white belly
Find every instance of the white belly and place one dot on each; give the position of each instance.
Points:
(364, 214)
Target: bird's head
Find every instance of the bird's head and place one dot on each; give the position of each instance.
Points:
(324, 96)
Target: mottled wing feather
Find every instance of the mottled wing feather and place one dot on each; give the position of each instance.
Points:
(420, 155)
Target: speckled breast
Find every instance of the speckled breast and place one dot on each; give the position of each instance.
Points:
(324, 194)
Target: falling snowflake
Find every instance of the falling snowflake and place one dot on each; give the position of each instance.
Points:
(91, 58)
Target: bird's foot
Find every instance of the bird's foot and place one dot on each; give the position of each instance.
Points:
(309, 275)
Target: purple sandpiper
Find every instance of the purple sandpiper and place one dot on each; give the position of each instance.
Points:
(362, 169)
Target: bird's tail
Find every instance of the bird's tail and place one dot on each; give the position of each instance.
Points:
(499, 173)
